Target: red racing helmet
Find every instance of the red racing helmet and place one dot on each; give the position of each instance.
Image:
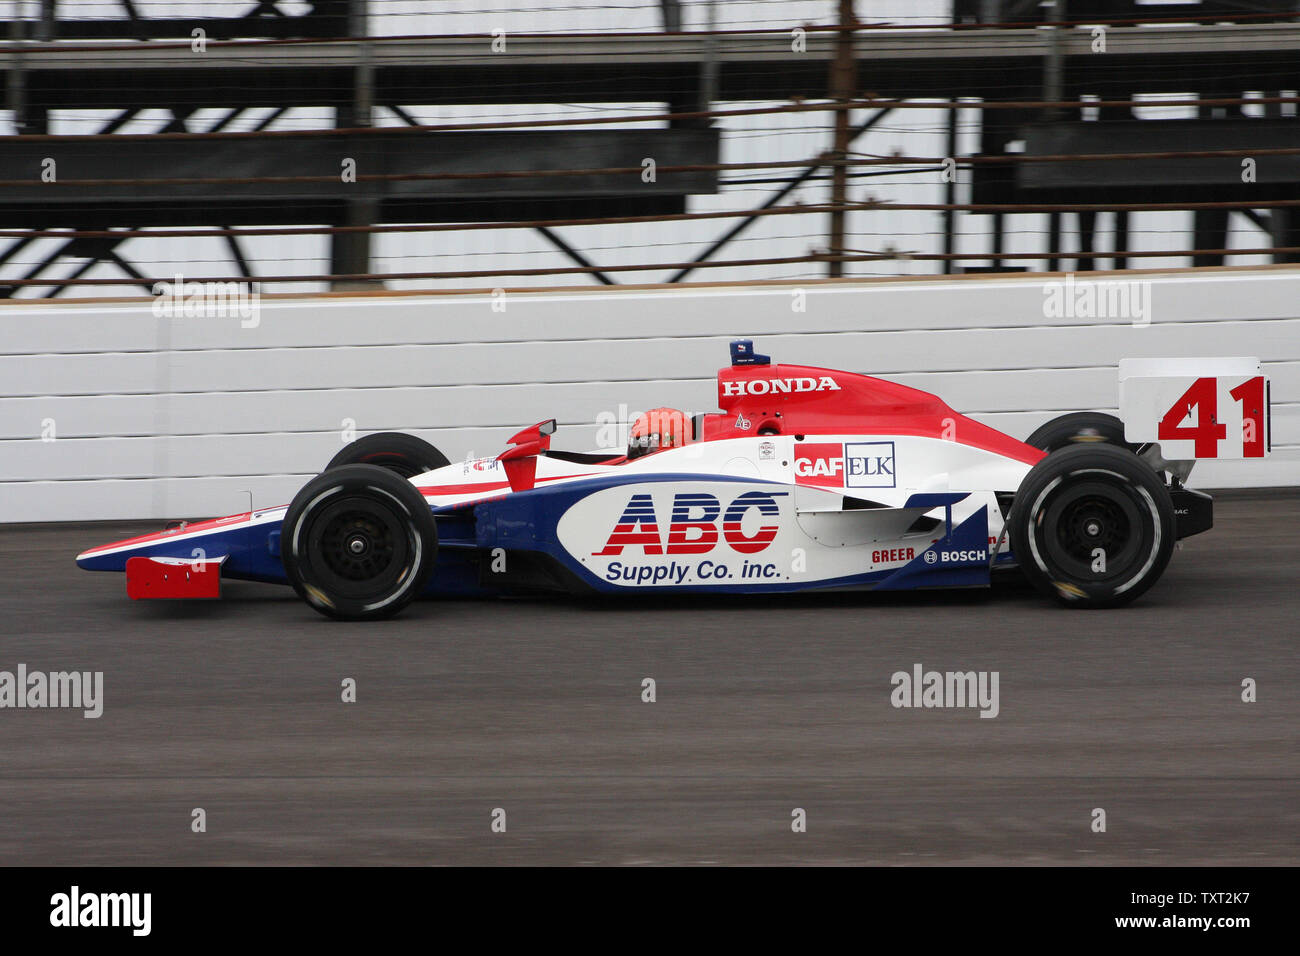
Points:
(658, 429)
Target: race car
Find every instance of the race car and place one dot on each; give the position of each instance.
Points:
(806, 479)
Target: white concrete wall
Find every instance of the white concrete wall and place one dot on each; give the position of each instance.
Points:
(186, 418)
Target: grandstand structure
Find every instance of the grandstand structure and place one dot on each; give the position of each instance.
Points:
(359, 143)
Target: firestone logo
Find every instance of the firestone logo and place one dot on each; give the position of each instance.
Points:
(693, 525)
(780, 386)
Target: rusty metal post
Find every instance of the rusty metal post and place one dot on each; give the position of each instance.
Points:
(350, 253)
(843, 83)
(1054, 92)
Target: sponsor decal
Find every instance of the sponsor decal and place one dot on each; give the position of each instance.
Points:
(955, 557)
(692, 529)
(732, 528)
(890, 555)
(819, 463)
(780, 386)
(869, 464)
(693, 524)
(742, 423)
(638, 526)
(702, 534)
(766, 451)
(682, 572)
(685, 572)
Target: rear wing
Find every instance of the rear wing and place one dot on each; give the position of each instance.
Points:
(1196, 407)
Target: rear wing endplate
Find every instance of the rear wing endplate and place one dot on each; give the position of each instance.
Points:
(1196, 407)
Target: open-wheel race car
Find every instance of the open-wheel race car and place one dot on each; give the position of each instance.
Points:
(806, 479)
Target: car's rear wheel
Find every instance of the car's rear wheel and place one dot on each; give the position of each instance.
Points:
(1079, 428)
(403, 454)
(358, 542)
(1092, 526)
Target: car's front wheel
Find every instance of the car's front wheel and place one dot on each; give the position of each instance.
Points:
(358, 542)
(1092, 526)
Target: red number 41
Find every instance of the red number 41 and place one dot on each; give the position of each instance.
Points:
(1208, 430)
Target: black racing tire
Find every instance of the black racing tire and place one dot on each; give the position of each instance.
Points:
(1092, 526)
(1080, 428)
(400, 453)
(358, 543)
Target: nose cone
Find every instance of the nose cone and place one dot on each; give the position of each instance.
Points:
(210, 540)
(176, 542)
(103, 559)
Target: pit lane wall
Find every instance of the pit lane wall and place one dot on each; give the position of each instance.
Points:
(108, 410)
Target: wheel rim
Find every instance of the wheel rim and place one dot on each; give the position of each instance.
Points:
(1082, 521)
(362, 547)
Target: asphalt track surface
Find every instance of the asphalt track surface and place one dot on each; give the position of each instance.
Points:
(534, 706)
